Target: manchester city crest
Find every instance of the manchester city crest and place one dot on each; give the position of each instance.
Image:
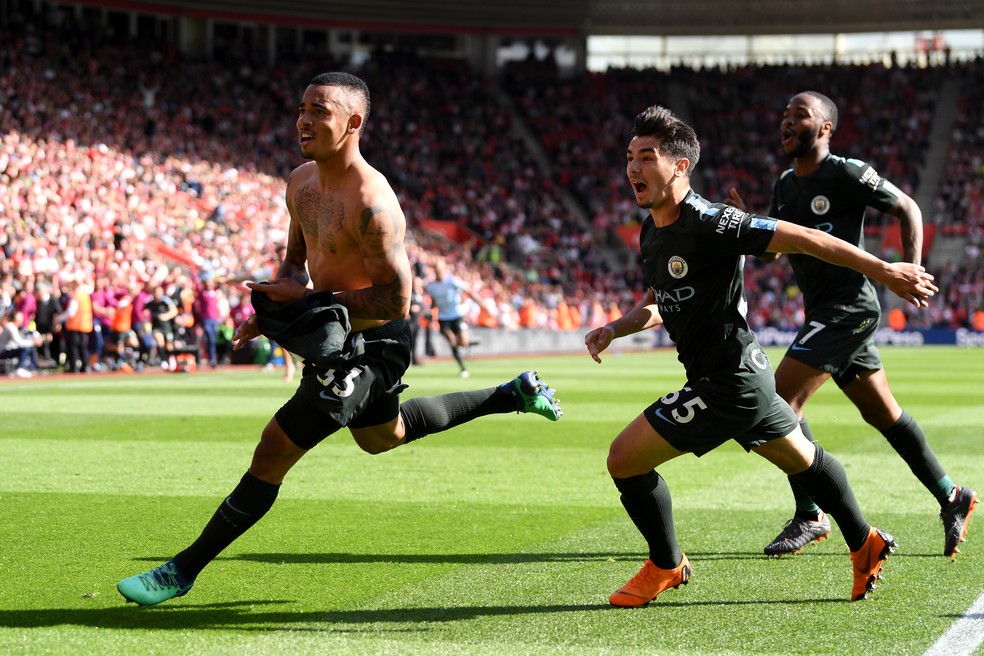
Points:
(677, 266)
(820, 205)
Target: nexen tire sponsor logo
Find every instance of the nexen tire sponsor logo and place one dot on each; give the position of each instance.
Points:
(870, 178)
(730, 219)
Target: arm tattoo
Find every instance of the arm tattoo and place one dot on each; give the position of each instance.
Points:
(383, 253)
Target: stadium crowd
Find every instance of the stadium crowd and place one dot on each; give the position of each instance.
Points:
(140, 187)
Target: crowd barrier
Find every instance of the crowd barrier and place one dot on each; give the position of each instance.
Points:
(497, 342)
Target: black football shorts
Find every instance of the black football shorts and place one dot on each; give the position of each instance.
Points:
(838, 342)
(706, 414)
(364, 393)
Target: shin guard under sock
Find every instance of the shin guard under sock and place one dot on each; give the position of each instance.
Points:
(647, 500)
(433, 414)
(909, 441)
(251, 499)
(826, 483)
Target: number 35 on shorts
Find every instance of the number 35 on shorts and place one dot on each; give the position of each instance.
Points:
(681, 406)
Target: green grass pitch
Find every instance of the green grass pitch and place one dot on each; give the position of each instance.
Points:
(503, 536)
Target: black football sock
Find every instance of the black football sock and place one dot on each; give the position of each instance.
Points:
(826, 483)
(805, 507)
(251, 499)
(647, 500)
(456, 352)
(433, 414)
(909, 441)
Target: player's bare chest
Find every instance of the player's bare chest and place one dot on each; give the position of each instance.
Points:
(321, 215)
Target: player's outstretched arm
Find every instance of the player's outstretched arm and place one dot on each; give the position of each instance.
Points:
(910, 282)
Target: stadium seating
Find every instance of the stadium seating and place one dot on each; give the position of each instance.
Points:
(131, 161)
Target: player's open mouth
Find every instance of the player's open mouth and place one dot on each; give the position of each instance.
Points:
(639, 187)
(787, 136)
(305, 137)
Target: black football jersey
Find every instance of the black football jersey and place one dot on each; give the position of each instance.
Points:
(694, 268)
(833, 199)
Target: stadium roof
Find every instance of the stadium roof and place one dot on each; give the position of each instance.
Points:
(590, 17)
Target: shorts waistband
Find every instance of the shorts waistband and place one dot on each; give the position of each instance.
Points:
(384, 331)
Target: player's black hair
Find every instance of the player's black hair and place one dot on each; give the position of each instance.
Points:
(828, 109)
(354, 84)
(676, 138)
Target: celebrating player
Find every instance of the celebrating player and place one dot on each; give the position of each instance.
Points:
(830, 193)
(347, 230)
(692, 255)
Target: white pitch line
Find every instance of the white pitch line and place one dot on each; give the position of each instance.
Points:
(964, 636)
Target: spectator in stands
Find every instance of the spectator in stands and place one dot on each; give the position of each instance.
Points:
(211, 189)
(163, 311)
(141, 324)
(76, 321)
(960, 200)
(103, 309)
(977, 320)
(19, 344)
(207, 313)
(224, 335)
(8, 291)
(830, 193)
(123, 346)
(26, 301)
(48, 308)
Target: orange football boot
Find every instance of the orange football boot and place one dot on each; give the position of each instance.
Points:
(649, 582)
(868, 562)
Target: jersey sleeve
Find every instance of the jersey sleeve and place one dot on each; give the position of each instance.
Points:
(729, 229)
(872, 189)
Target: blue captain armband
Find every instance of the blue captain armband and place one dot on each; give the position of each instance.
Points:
(763, 223)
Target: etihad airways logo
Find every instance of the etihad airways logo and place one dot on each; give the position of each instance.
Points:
(678, 295)
(670, 300)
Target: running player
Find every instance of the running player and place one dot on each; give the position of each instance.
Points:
(346, 237)
(692, 254)
(830, 193)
